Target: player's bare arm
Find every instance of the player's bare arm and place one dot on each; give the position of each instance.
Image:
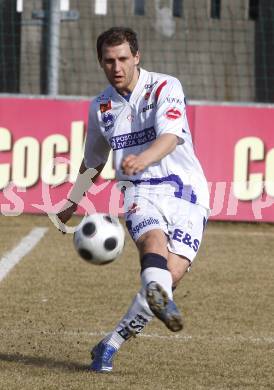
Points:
(84, 180)
(161, 147)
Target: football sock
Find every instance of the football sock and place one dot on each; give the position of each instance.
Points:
(154, 269)
(133, 322)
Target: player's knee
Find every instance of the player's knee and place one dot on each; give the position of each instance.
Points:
(152, 242)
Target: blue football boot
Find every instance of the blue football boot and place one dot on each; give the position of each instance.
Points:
(163, 307)
(102, 355)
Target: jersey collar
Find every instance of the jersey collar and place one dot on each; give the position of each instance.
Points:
(138, 89)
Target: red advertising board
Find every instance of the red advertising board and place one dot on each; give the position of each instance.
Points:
(235, 145)
(32, 133)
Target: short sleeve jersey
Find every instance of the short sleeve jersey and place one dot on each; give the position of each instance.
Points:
(155, 107)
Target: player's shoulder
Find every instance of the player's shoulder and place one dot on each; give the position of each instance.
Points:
(102, 98)
(163, 86)
(161, 78)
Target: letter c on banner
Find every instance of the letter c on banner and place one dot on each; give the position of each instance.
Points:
(247, 186)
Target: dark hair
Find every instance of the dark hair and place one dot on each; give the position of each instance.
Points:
(116, 36)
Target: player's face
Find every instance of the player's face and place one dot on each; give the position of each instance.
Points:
(120, 67)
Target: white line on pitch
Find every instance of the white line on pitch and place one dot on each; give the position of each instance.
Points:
(186, 338)
(10, 259)
(267, 339)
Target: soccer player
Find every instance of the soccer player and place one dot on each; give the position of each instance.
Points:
(141, 116)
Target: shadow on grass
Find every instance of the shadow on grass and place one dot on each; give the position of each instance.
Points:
(43, 362)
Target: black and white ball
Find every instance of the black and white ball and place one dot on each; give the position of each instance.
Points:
(99, 239)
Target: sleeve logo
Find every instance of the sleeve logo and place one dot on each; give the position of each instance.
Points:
(173, 113)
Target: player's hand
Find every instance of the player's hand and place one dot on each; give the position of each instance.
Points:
(65, 214)
(133, 164)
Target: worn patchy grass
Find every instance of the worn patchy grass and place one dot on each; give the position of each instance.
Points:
(54, 307)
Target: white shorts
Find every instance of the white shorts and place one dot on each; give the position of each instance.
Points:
(182, 222)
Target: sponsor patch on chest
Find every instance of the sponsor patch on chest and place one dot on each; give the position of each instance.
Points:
(136, 138)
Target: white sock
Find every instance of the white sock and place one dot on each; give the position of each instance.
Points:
(133, 322)
(159, 275)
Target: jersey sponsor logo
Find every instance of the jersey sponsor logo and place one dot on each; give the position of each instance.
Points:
(147, 95)
(173, 100)
(105, 106)
(186, 239)
(149, 86)
(133, 139)
(141, 225)
(108, 120)
(133, 209)
(148, 107)
(173, 113)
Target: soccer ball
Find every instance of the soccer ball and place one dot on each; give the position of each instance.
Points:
(99, 239)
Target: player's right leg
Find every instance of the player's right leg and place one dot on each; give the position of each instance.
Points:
(157, 279)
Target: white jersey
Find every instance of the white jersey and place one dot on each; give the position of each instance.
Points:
(156, 106)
